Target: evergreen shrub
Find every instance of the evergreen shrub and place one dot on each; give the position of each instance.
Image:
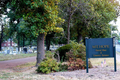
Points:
(62, 51)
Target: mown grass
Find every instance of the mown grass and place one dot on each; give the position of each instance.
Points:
(21, 75)
(4, 57)
(16, 71)
(109, 62)
(19, 70)
(118, 52)
(24, 67)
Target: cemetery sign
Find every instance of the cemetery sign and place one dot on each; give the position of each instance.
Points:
(100, 48)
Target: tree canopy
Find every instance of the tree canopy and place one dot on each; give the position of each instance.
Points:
(37, 18)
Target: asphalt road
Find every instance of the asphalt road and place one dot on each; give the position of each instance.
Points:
(118, 48)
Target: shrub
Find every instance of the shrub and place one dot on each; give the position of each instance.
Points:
(77, 56)
(49, 54)
(62, 51)
(63, 67)
(48, 65)
(75, 64)
(78, 50)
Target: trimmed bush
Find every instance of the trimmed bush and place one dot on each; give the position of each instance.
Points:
(62, 51)
(48, 65)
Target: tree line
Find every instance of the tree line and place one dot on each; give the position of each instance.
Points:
(56, 21)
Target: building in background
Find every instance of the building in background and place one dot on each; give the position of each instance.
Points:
(7, 44)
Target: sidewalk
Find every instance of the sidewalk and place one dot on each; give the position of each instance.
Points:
(118, 57)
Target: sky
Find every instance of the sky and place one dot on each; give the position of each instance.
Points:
(117, 23)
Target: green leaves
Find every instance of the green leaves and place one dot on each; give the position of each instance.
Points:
(42, 14)
(48, 65)
(93, 20)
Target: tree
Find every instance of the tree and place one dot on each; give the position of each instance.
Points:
(41, 16)
(17, 28)
(67, 10)
(93, 20)
(49, 37)
(89, 17)
(3, 10)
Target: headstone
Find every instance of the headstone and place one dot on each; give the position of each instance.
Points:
(8, 51)
(25, 50)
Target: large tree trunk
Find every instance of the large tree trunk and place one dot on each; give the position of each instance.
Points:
(79, 37)
(68, 29)
(23, 41)
(47, 43)
(0, 45)
(1, 38)
(18, 42)
(40, 48)
(11, 42)
(30, 42)
(18, 36)
(68, 32)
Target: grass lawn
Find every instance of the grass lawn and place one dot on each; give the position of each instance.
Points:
(118, 52)
(4, 57)
(109, 61)
(16, 71)
(23, 72)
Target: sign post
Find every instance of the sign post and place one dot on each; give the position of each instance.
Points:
(114, 52)
(100, 48)
(86, 54)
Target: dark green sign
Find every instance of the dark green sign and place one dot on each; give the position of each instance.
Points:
(100, 48)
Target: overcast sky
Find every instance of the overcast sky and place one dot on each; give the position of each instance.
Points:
(118, 21)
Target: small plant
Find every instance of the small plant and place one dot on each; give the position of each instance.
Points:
(75, 64)
(63, 67)
(48, 65)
